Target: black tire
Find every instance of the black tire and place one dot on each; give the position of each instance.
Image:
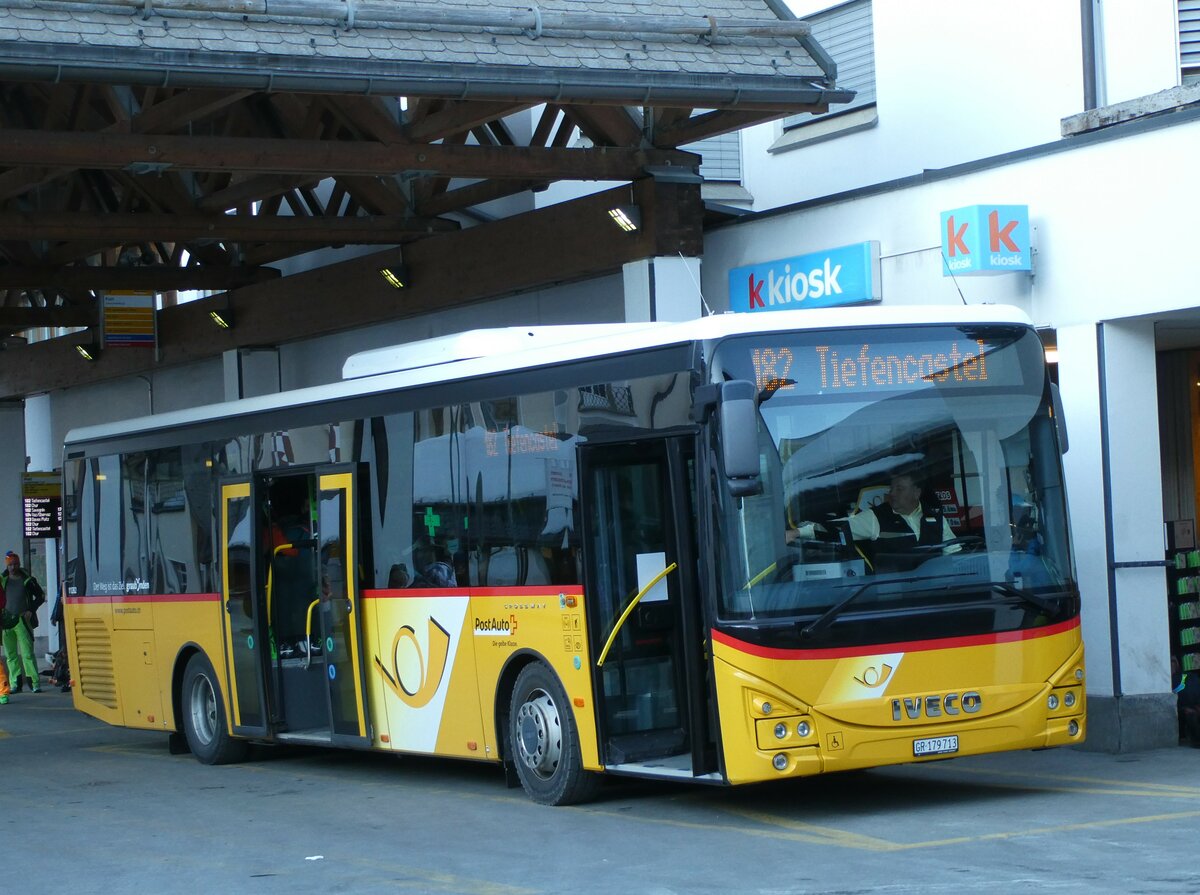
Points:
(203, 713)
(543, 741)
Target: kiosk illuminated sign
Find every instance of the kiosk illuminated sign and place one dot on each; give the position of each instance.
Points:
(843, 276)
(986, 239)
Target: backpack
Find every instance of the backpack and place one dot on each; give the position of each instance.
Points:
(60, 673)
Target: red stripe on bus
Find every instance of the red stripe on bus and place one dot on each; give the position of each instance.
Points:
(392, 593)
(144, 598)
(911, 646)
(546, 590)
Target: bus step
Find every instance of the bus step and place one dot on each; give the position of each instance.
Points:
(631, 747)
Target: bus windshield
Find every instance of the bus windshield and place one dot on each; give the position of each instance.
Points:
(911, 487)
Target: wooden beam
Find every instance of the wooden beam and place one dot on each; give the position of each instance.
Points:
(184, 108)
(368, 115)
(16, 319)
(474, 194)
(126, 228)
(253, 189)
(137, 152)
(606, 125)
(158, 279)
(713, 124)
(576, 240)
(459, 117)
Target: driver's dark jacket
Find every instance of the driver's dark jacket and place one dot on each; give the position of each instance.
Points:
(895, 548)
(898, 533)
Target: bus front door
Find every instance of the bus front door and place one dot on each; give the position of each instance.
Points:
(648, 662)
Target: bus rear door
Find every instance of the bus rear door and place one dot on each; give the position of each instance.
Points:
(243, 628)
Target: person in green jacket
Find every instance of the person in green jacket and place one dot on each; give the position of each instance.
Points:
(23, 596)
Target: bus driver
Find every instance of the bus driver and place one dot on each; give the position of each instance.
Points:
(899, 524)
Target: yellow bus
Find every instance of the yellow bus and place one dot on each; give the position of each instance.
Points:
(633, 549)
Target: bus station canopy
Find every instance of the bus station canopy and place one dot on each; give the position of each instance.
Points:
(179, 145)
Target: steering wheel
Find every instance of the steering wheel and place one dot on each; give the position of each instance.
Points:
(969, 544)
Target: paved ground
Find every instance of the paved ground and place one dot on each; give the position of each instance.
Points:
(91, 808)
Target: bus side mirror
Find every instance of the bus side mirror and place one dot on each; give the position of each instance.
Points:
(1060, 420)
(739, 437)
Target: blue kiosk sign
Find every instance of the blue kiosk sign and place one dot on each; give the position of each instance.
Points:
(986, 239)
(843, 276)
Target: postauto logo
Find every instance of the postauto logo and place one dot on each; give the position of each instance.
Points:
(842, 276)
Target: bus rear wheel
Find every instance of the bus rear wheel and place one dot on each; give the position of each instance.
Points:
(544, 741)
(204, 715)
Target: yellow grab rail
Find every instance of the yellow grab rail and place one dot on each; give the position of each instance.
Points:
(271, 577)
(308, 633)
(628, 609)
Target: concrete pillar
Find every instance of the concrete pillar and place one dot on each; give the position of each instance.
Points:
(45, 455)
(1114, 481)
(250, 372)
(663, 289)
(12, 462)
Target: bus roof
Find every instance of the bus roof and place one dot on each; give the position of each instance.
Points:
(490, 351)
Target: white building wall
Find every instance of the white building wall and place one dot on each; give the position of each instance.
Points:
(960, 80)
(955, 81)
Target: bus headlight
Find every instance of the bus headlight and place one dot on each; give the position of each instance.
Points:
(803, 728)
(780, 730)
(1069, 699)
(766, 708)
(780, 761)
(1053, 701)
(1073, 728)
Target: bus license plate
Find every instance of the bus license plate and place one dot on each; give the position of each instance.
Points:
(935, 746)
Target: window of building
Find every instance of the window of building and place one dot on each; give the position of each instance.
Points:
(720, 157)
(846, 32)
(1189, 41)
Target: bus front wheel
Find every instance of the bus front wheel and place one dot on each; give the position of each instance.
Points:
(204, 715)
(544, 741)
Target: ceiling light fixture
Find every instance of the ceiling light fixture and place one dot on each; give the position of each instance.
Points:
(396, 275)
(627, 217)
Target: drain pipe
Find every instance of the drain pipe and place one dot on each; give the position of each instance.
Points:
(1092, 34)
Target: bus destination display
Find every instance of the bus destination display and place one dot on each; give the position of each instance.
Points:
(865, 366)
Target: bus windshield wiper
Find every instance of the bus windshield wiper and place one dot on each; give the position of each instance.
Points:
(1047, 604)
(825, 619)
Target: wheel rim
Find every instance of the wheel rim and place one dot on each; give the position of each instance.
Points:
(204, 709)
(539, 734)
